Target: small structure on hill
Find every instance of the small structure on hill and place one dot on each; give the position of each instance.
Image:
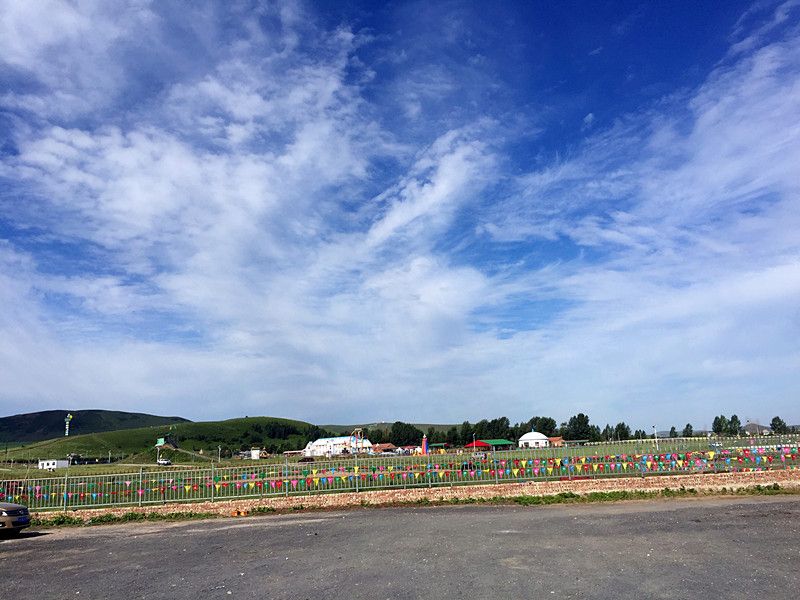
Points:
(51, 464)
(168, 441)
(534, 439)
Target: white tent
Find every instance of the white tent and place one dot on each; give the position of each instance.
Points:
(534, 439)
(346, 444)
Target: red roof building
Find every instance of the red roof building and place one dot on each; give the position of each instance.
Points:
(478, 445)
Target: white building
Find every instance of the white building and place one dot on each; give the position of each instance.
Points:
(534, 439)
(53, 464)
(346, 444)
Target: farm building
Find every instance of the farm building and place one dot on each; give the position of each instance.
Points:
(534, 439)
(54, 463)
(346, 444)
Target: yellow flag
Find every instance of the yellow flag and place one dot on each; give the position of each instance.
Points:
(648, 463)
(711, 455)
(416, 475)
(251, 485)
(217, 486)
(549, 470)
(355, 469)
(441, 474)
(515, 471)
(187, 487)
(316, 480)
(314, 471)
(594, 467)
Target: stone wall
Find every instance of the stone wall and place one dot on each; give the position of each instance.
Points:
(708, 483)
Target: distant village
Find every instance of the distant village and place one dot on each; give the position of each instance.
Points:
(356, 443)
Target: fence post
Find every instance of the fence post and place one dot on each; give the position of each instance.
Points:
(212, 481)
(285, 475)
(494, 464)
(66, 485)
(357, 474)
(428, 470)
(138, 493)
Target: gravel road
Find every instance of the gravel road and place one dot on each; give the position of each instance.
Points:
(714, 548)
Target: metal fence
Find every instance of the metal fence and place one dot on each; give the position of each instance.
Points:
(355, 474)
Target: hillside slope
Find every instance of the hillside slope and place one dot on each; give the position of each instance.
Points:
(232, 435)
(47, 424)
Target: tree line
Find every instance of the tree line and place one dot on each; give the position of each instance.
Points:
(577, 427)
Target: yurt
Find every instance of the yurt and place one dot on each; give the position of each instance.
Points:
(534, 439)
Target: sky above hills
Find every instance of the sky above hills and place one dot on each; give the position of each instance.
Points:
(361, 211)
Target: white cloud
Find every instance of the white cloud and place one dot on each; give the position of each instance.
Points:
(243, 246)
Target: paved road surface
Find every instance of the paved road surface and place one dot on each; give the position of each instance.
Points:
(721, 548)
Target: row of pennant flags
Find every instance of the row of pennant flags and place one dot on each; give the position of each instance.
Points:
(346, 477)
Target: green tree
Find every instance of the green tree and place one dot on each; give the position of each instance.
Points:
(376, 436)
(452, 437)
(688, 431)
(778, 426)
(608, 433)
(466, 433)
(622, 431)
(734, 426)
(404, 434)
(578, 428)
(720, 425)
(544, 425)
(435, 436)
(499, 428)
(673, 433)
(640, 434)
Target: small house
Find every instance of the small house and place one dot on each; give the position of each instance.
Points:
(381, 448)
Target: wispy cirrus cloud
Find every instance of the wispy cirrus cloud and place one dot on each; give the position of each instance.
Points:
(255, 221)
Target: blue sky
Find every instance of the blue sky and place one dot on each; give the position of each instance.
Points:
(350, 212)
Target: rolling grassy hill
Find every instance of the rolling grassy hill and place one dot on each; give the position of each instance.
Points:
(48, 424)
(234, 434)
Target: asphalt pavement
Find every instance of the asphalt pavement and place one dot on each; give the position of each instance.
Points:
(713, 548)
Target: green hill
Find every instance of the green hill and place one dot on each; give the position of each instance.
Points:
(44, 425)
(276, 435)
